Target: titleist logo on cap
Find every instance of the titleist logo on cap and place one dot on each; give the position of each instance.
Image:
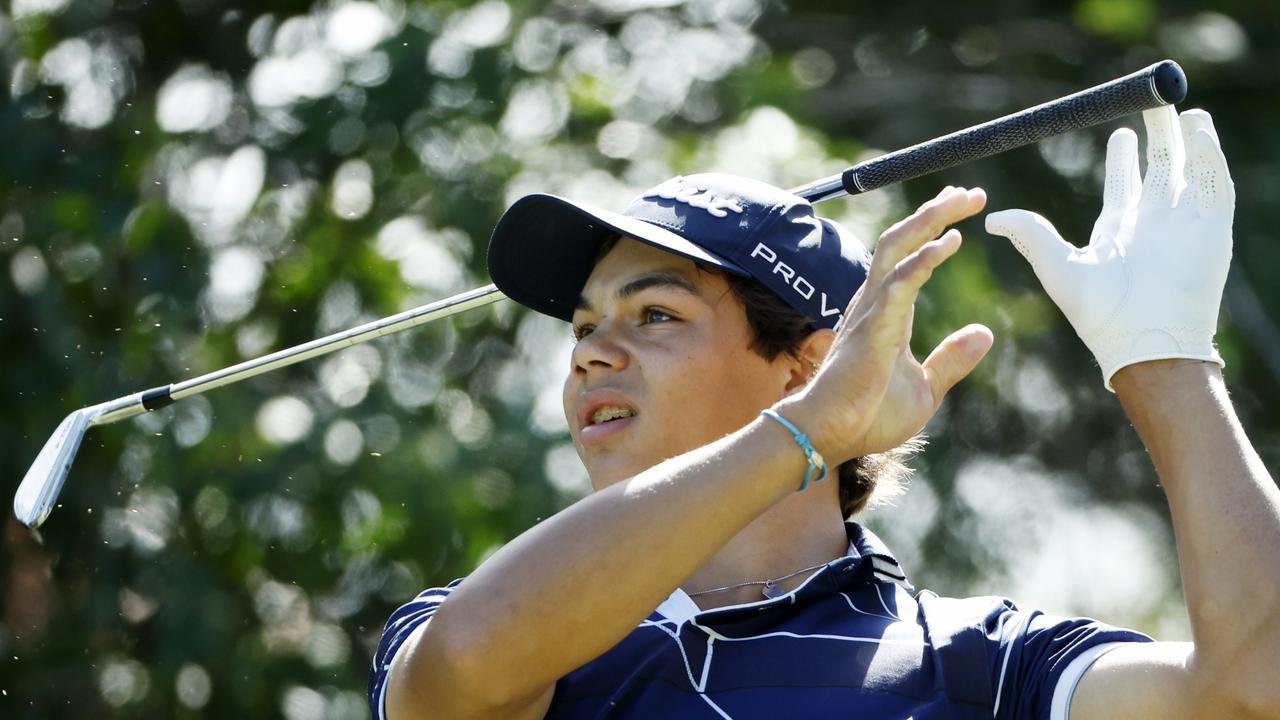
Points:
(696, 196)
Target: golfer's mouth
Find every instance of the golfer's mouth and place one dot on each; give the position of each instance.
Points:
(603, 418)
(610, 413)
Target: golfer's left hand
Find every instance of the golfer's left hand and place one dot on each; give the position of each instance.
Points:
(1149, 283)
(870, 393)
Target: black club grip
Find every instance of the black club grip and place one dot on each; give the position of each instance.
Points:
(1161, 84)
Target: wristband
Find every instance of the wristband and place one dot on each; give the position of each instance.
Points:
(816, 463)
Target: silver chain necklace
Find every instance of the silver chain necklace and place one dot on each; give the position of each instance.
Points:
(770, 590)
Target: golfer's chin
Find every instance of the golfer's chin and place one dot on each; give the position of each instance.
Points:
(607, 468)
(602, 475)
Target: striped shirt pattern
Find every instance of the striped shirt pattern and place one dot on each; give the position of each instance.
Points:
(852, 641)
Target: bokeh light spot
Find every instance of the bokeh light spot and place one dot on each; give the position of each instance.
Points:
(284, 420)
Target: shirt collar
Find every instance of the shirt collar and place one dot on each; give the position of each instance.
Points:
(868, 560)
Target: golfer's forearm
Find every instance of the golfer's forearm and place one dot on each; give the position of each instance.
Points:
(571, 587)
(1225, 509)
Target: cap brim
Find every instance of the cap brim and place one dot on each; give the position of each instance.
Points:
(544, 247)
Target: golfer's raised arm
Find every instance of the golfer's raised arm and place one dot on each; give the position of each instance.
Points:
(1226, 520)
(1144, 296)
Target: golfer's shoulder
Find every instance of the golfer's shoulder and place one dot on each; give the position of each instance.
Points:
(400, 627)
(428, 600)
(975, 609)
(999, 620)
(409, 616)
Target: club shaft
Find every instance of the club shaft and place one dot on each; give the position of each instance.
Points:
(138, 403)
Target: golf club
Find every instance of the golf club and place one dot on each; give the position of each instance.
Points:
(1160, 84)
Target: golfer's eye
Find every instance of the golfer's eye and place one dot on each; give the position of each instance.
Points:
(581, 331)
(656, 315)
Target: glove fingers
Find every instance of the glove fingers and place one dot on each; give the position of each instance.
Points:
(1123, 185)
(1193, 120)
(1208, 180)
(1033, 236)
(1165, 157)
(1209, 186)
(1122, 188)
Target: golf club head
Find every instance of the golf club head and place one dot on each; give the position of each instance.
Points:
(40, 486)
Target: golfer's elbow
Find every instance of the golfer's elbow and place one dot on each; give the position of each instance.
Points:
(439, 675)
(1243, 707)
(1257, 700)
(1243, 686)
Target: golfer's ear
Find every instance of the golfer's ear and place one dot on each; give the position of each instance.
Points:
(808, 357)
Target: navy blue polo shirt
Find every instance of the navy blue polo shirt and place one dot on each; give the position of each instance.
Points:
(852, 641)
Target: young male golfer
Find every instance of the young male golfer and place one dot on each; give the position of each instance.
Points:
(738, 363)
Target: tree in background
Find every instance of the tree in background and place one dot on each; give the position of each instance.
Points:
(186, 185)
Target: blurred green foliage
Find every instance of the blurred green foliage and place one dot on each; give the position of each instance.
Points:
(188, 184)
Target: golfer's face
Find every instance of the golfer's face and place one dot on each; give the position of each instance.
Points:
(662, 364)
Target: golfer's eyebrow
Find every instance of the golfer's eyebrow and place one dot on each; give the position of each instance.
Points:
(659, 278)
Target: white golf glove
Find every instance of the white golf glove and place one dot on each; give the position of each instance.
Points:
(1149, 284)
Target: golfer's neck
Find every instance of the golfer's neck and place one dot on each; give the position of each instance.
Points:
(797, 533)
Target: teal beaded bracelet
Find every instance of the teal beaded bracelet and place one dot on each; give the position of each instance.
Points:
(816, 463)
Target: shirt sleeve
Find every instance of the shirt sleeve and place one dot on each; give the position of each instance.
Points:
(1017, 659)
(400, 626)
(1030, 653)
(1061, 707)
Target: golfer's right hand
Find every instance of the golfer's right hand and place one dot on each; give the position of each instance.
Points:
(871, 394)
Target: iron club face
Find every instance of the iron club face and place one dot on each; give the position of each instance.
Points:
(39, 490)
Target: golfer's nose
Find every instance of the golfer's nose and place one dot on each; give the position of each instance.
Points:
(601, 349)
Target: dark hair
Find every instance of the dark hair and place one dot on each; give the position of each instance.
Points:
(779, 329)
